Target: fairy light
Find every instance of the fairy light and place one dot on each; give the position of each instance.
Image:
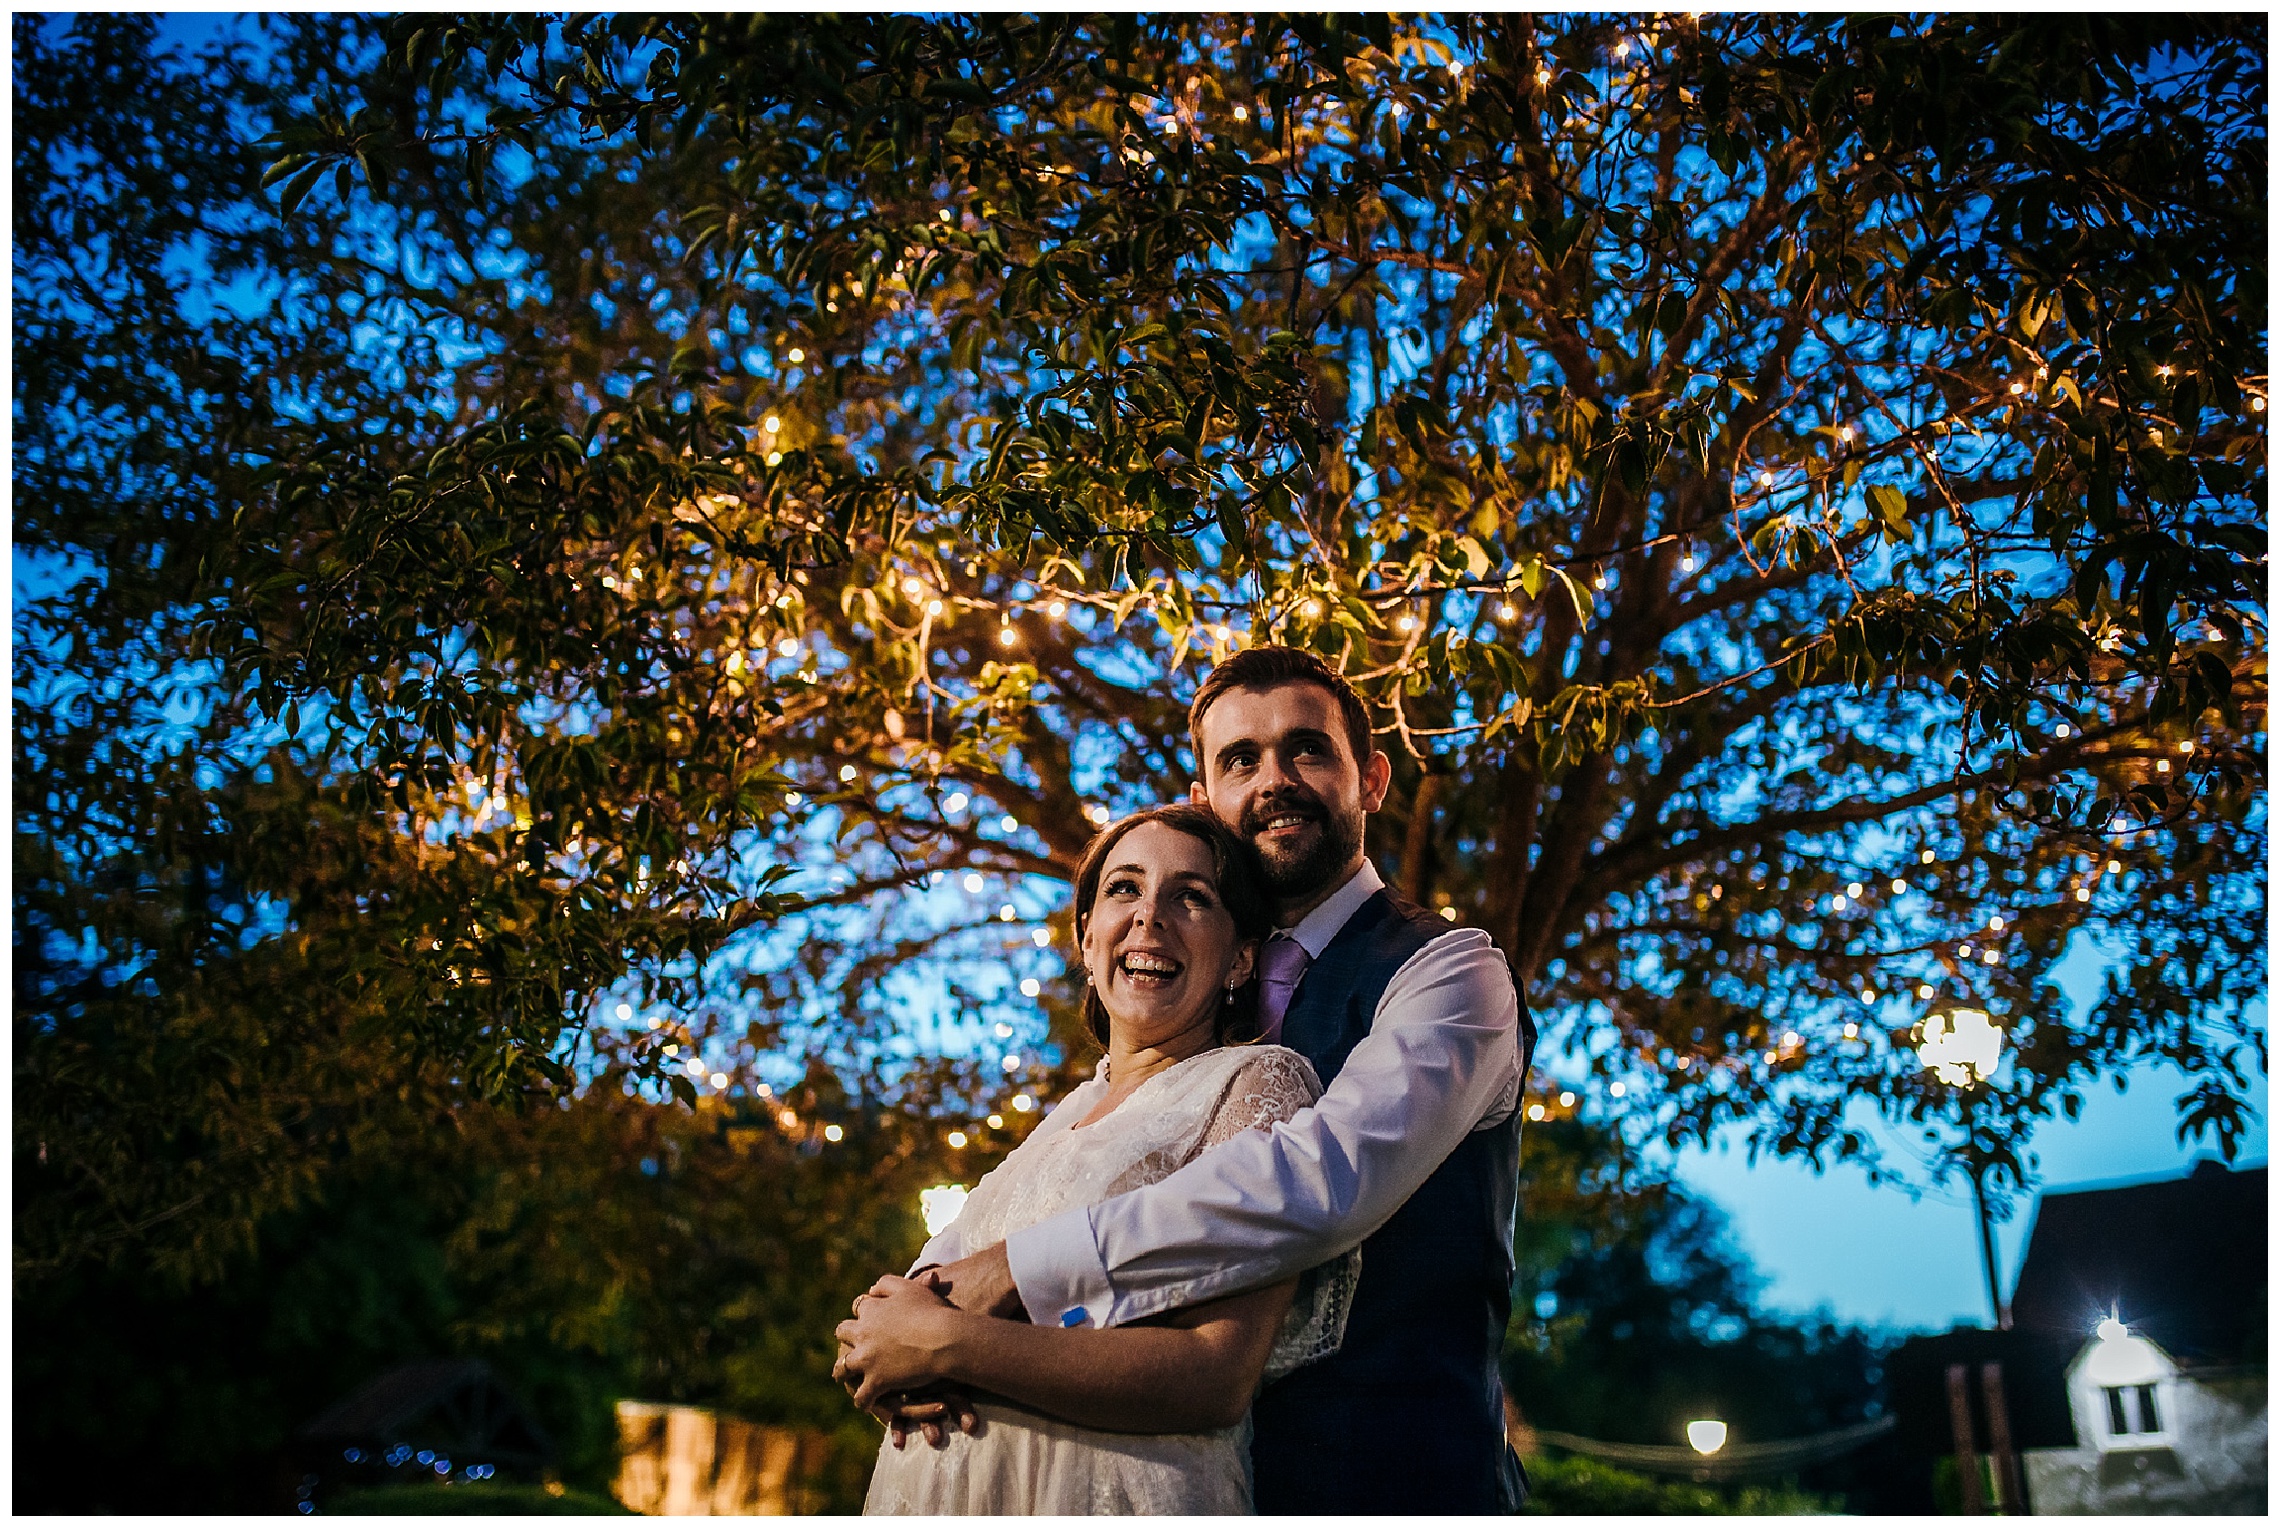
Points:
(772, 424)
(1009, 823)
(912, 588)
(1040, 937)
(1898, 886)
(973, 883)
(774, 459)
(2113, 867)
(795, 355)
(934, 607)
(2185, 748)
(1406, 622)
(1535, 1111)
(1057, 609)
(1765, 480)
(1006, 635)
(1312, 609)
(1242, 113)
(957, 1140)
(1507, 612)
(846, 773)
(1854, 890)
(834, 1133)
(1023, 1103)
(788, 648)
(2081, 893)
(1030, 987)
(793, 798)
(788, 1120)
(2064, 731)
(954, 802)
(1845, 434)
(1924, 992)
(1598, 577)
(1928, 856)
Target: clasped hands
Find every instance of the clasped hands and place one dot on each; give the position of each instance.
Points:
(889, 1352)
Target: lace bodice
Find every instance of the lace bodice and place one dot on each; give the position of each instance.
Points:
(1039, 1465)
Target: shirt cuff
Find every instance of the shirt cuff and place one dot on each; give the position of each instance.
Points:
(1058, 1272)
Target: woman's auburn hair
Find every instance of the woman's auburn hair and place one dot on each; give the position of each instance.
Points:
(1242, 891)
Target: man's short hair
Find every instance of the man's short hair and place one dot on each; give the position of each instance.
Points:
(1265, 668)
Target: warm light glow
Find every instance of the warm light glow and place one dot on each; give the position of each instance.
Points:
(1006, 637)
(997, 1122)
(1898, 886)
(1962, 1047)
(973, 883)
(2064, 730)
(1006, 914)
(957, 1140)
(788, 1120)
(1838, 903)
(830, 1132)
(934, 607)
(1927, 856)
(954, 802)
(912, 588)
(1567, 1100)
(795, 355)
(625, 1011)
(939, 1205)
(1057, 609)
(775, 458)
(1009, 823)
(1535, 1111)
(1029, 987)
(1706, 1436)
(771, 424)
(1614, 1090)
(1040, 938)
(847, 773)
(1023, 1103)
(1854, 890)
(1506, 612)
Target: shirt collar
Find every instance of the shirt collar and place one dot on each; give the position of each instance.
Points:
(1315, 931)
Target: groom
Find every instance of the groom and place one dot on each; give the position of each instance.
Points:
(1412, 1153)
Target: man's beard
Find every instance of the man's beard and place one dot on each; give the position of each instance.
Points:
(1296, 874)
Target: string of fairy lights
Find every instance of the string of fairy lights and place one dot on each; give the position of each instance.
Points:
(913, 601)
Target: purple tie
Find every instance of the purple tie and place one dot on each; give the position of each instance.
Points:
(1280, 967)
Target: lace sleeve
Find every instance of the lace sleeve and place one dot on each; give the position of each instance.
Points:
(1274, 1085)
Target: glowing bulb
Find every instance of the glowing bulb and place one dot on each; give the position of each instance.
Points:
(1406, 623)
(1057, 609)
(1009, 823)
(1615, 1090)
(973, 883)
(788, 648)
(1030, 987)
(934, 607)
(2185, 748)
(957, 1140)
(1996, 923)
(1567, 1100)
(830, 1132)
(1007, 914)
(1040, 938)
(912, 588)
(1868, 994)
(1924, 992)
(2161, 766)
(2064, 730)
(846, 773)
(1852, 1031)
(1023, 1103)
(788, 1120)
(1846, 434)
(1506, 612)
(954, 802)
(1011, 1063)
(1006, 637)
(771, 424)
(775, 458)
(2081, 893)
(2018, 388)
(1706, 1436)
(2113, 867)
(1898, 886)
(1242, 113)
(2256, 405)
(672, 1050)
(1927, 856)
(1535, 1111)
(943, 213)
(1854, 890)
(1311, 609)
(624, 1010)
(938, 1206)
(1837, 903)
(1765, 480)
(793, 798)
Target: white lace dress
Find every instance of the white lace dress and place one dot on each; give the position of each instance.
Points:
(1022, 1462)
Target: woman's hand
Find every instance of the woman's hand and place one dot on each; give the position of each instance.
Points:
(897, 1341)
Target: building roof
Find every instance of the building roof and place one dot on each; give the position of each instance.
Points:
(2182, 1261)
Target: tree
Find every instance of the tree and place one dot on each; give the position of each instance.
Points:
(1790, 488)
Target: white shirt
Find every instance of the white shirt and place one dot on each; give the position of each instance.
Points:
(1441, 1060)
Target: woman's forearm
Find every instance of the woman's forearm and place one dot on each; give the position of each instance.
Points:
(1192, 1373)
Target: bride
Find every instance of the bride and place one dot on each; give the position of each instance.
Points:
(1151, 1417)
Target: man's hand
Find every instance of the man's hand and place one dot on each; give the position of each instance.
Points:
(981, 1284)
(931, 1411)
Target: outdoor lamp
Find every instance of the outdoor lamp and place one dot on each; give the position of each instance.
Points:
(940, 1205)
(2122, 1359)
(1706, 1436)
(1960, 1047)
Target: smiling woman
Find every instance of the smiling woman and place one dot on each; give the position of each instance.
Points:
(1151, 1416)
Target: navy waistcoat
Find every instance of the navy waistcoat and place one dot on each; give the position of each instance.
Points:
(1408, 1415)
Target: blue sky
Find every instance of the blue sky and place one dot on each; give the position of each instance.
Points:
(1878, 1257)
